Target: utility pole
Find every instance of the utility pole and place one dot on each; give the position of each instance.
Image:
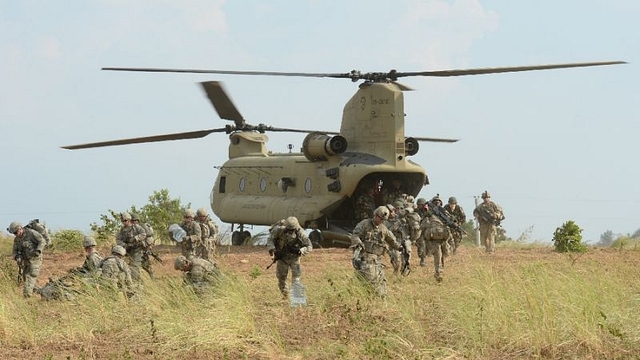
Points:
(476, 200)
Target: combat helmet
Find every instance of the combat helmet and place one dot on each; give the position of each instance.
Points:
(135, 217)
(291, 223)
(189, 213)
(453, 200)
(382, 212)
(399, 204)
(89, 241)
(486, 195)
(201, 212)
(125, 216)
(421, 201)
(119, 250)
(14, 226)
(180, 262)
(436, 198)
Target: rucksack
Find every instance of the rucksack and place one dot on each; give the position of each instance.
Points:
(36, 225)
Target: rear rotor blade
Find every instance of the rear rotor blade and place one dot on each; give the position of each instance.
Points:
(147, 139)
(496, 70)
(435, 139)
(222, 103)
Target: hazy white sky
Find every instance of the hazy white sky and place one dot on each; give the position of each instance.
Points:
(550, 146)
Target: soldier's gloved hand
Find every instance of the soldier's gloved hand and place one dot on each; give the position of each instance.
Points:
(304, 251)
(271, 252)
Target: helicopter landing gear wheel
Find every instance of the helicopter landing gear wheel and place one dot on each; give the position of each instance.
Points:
(246, 238)
(236, 238)
(316, 239)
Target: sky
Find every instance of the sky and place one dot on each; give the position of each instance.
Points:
(550, 146)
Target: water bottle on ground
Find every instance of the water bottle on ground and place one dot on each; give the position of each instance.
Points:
(297, 296)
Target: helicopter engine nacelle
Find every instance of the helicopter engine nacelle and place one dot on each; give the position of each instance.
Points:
(318, 146)
(411, 146)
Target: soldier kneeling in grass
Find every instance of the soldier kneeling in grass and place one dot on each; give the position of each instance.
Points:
(198, 273)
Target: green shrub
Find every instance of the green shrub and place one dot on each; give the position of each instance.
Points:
(66, 240)
(568, 238)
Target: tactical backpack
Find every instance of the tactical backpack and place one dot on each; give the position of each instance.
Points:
(36, 225)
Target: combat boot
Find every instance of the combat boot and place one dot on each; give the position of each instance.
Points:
(423, 262)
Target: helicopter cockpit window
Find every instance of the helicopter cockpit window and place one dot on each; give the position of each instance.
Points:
(263, 184)
(243, 183)
(223, 184)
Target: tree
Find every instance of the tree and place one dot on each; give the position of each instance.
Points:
(160, 212)
(606, 239)
(568, 238)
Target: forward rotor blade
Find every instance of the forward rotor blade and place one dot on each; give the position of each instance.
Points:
(147, 139)
(230, 72)
(435, 139)
(496, 70)
(222, 103)
(263, 128)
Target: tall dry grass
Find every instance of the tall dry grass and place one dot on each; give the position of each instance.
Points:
(520, 303)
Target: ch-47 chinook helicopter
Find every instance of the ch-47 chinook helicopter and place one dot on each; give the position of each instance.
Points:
(320, 184)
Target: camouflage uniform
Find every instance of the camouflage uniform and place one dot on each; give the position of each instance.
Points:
(459, 217)
(393, 192)
(116, 273)
(489, 215)
(370, 242)
(132, 237)
(288, 243)
(27, 251)
(91, 264)
(191, 242)
(365, 203)
(436, 235)
(149, 241)
(397, 224)
(209, 235)
(198, 273)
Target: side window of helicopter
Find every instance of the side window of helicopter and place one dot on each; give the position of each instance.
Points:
(307, 185)
(223, 184)
(243, 183)
(263, 184)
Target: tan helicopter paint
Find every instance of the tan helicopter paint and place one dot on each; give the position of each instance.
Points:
(249, 187)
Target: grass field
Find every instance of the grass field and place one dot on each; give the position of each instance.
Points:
(521, 302)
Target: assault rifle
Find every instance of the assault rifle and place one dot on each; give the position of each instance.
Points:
(20, 269)
(293, 248)
(406, 267)
(150, 252)
(487, 217)
(443, 215)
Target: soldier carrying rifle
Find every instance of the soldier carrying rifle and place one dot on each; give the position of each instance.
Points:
(489, 216)
(287, 243)
(27, 252)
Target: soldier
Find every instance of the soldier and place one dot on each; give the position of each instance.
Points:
(365, 203)
(190, 244)
(371, 240)
(92, 260)
(421, 207)
(148, 243)
(393, 192)
(287, 243)
(459, 217)
(115, 272)
(132, 237)
(395, 224)
(198, 273)
(27, 252)
(209, 234)
(435, 235)
(489, 216)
